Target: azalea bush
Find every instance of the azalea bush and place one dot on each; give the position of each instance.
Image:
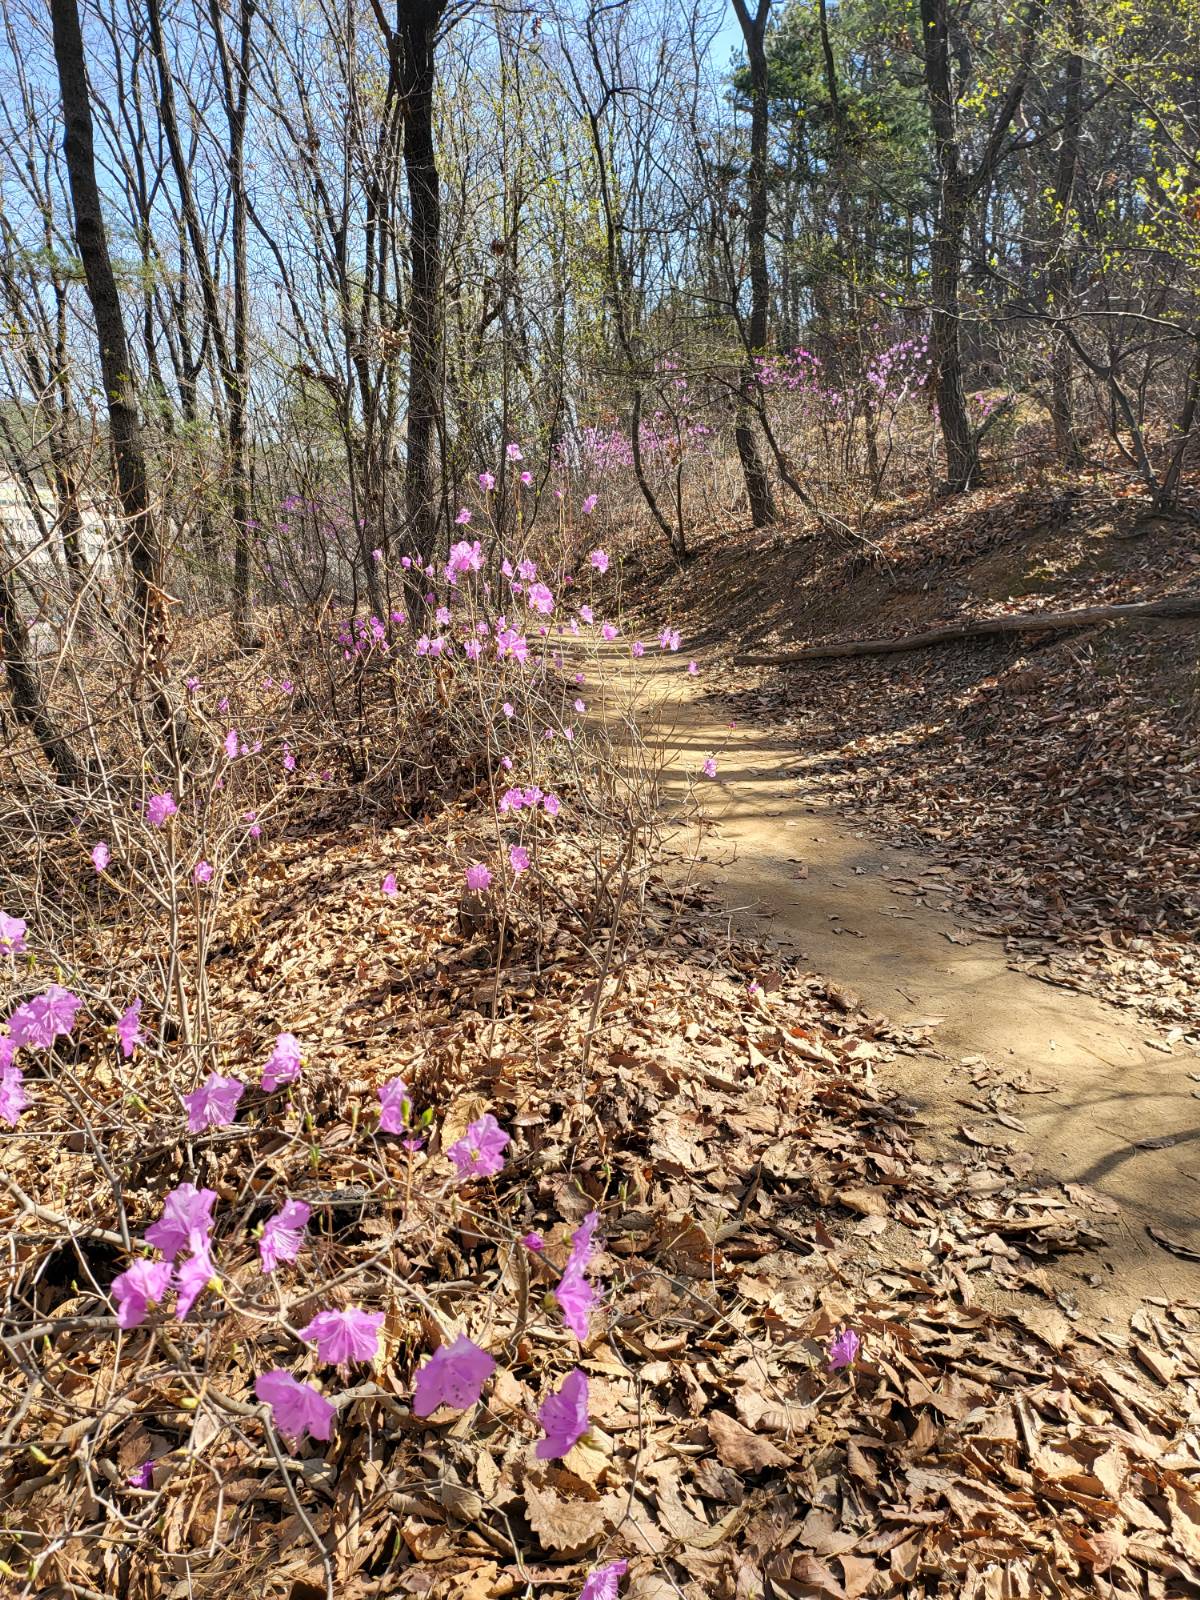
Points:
(181, 1235)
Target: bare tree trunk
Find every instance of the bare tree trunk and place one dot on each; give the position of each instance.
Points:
(758, 484)
(957, 189)
(1062, 387)
(418, 27)
(125, 429)
(236, 88)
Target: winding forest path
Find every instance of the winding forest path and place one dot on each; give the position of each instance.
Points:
(1084, 1094)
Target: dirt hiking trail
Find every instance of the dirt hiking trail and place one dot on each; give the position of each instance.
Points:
(1019, 1063)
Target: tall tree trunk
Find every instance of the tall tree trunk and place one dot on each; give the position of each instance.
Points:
(125, 431)
(958, 437)
(758, 484)
(235, 82)
(958, 188)
(1062, 387)
(417, 34)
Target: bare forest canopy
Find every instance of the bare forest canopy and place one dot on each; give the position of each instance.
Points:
(351, 250)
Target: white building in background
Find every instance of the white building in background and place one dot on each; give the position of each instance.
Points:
(20, 535)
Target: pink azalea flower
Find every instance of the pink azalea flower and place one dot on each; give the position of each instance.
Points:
(376, 555)
(508, 709)
(463, 517)
(518, 859)
(193, 1276)
(186, 1211)
(129, 1030)
(480, 1152)
(389, 887)
(534, 1242)
(587, 614)
(589, 505)
(214, 1103)
(453, 1376)
(343, 1337)
(38, 1023)
(13, 1098)
(551, 805)
(608, 633)
(283, 1064)
(637, 648)
(843, 1351)
(159, 807)
(709, 769)
(289, 760)
(487, 482)
(604, 1582)
(580, 706)
(296, 1408)
(564, 1416)
(575, 1295)
(540, 598)
(583, 1241)
(283, 1234)
(100, 856)
(395, 1106)
(142, 1477)
(135, 1288)
(202, 872)
(231, 743)
(527, 478)
(693, 668)
(514, 452)
(478, 877)
(12, 934)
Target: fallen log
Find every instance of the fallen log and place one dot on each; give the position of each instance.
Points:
(1017, 622)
